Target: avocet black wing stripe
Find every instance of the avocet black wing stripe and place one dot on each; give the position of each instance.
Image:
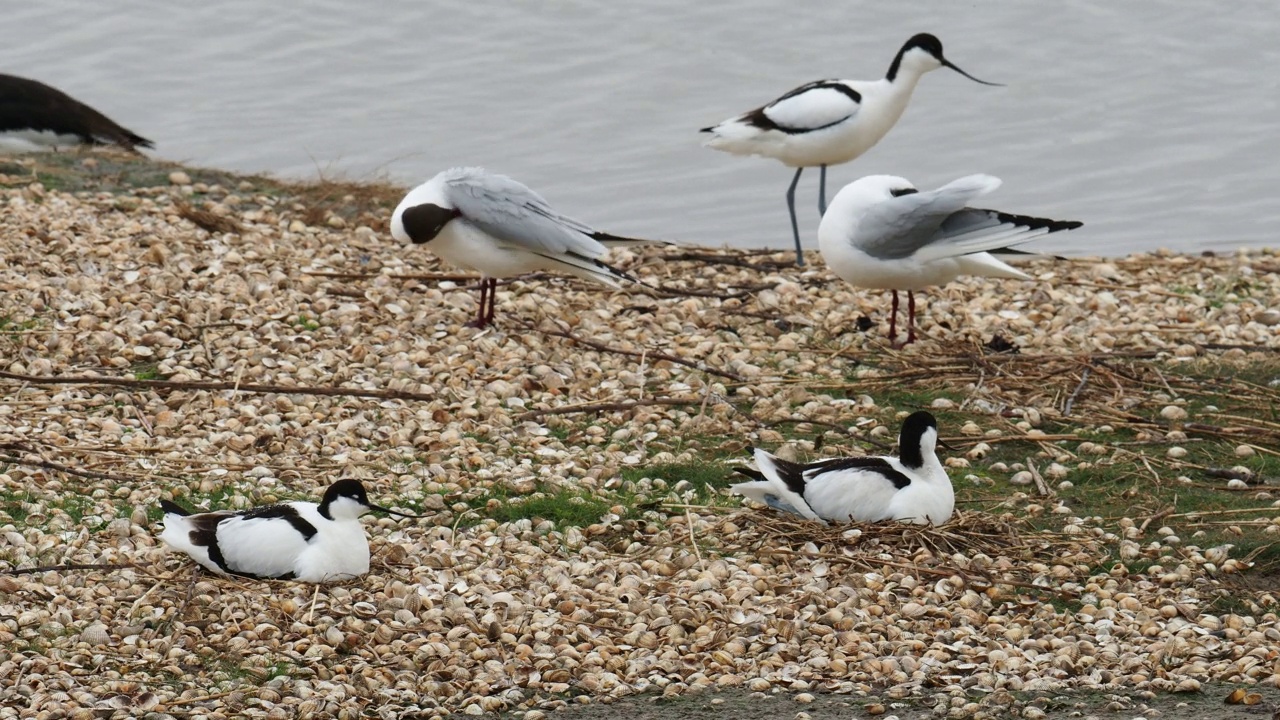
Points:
(285, 512)
(811, 107)
(877, 465)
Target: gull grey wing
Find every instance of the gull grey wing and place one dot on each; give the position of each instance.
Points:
(511, 212)
(900, 226)
(975, 230)
(975, 220)
(542, 208)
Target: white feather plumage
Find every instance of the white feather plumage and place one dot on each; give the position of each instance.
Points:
(861, 489)
(830, 122)
(500, 228)
(881, 233)
(273, 542)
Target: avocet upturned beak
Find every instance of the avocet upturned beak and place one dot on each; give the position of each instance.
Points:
(953, 66)
(947, 445)
(389, 511)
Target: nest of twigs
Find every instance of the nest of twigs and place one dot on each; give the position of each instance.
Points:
(986, 550)
(968, 532)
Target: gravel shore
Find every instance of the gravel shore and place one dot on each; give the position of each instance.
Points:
(261, 348)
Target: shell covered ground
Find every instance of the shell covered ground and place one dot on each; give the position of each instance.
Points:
(226, 342)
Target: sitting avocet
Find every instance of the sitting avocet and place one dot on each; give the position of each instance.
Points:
(288, 541)
(912, 487)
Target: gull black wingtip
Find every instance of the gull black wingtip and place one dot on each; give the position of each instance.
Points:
(1016, 253)
(611, 240)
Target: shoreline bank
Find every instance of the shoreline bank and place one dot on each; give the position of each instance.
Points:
(265, 339)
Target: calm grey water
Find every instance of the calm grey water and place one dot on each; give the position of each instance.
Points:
(1154, 122)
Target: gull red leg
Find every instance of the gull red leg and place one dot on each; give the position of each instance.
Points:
(493, 300)
(893, 319)
(911, 317)
(479, 322)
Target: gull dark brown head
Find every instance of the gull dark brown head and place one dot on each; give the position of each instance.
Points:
(422, 223)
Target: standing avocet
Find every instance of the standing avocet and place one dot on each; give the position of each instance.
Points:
(35, 116)
(289, 541)
(494, 225)
(830, 122)
(912, 487)
(882, 233)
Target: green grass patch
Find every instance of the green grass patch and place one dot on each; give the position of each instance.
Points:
(76, 506)
(146, 371)
(154, 513)
(567, 507)
(217, 498)
(11, 327)
(12, 506)
(706, 478)
(1221, 290)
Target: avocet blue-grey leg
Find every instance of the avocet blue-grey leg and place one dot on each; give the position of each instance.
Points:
(791, 207)
(822, 191)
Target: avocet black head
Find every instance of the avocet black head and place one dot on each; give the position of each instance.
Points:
(924, 52)
(918, 439)
(347, 499)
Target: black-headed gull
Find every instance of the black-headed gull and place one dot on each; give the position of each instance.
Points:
(496, 226)
(882, 233)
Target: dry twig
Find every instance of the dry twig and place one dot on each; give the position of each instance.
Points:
(174, 385)
(636, 353)
(604, 407)
(73, 566)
